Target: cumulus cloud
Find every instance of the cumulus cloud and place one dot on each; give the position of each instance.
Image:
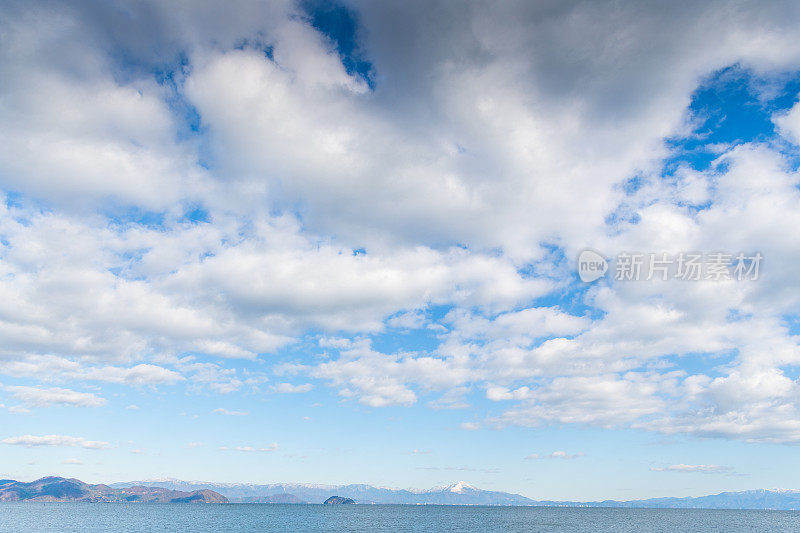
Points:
(35, 397)
(407, 320)
(54, 368)
(378, 380)
(71, 125)
(492, 145)
(604, 401)
(789, 124)
(288, 388)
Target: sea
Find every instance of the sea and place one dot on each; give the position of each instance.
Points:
(219, 518)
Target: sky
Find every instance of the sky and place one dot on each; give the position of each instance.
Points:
(338, 243)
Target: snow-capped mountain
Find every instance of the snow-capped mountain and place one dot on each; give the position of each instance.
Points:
(458, 488)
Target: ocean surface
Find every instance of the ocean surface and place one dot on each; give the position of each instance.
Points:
(155, 517)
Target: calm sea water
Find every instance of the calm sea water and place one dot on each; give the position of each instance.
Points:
(97, 517)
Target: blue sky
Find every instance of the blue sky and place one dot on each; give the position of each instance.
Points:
(336, 243)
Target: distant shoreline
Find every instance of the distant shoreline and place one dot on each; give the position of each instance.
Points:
(449, 506)
(55, 489)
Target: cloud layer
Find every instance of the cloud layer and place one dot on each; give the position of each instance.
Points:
(180, 206)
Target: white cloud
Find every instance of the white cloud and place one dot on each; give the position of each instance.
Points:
(249, 449)
(519, 119)
(707, 469)
(789, 124)
(71, 137)
(142, 374)
(226, 412)
(35, 397)
(419, 452)
(603, 400)
(559, 454)
(379, 380)
(452, 398)
(407, 320)
(488, 135)
(30, 441)
(53, 368)
(288, 388)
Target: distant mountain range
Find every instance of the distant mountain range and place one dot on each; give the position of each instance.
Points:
(463, 494)
(59, 489)
(457, 494)
(777, 499)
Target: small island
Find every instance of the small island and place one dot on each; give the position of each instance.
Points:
(338, 500)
